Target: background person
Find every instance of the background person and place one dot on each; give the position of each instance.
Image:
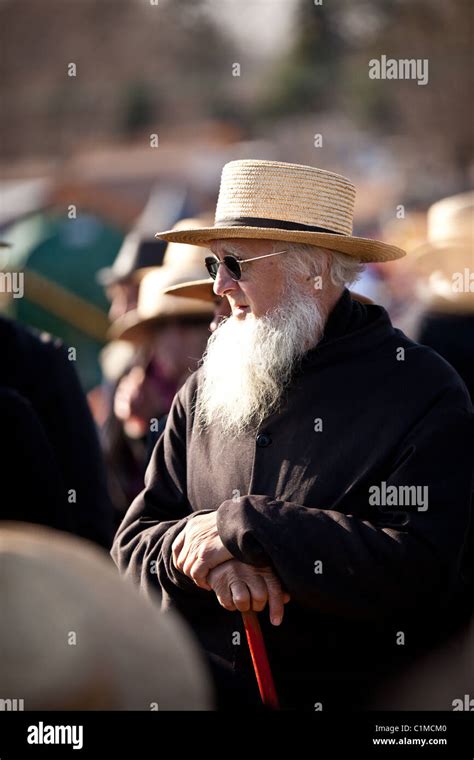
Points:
(169, 336)
(37, 368)
(444, 273)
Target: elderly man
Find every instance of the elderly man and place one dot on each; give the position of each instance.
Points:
(318, 462)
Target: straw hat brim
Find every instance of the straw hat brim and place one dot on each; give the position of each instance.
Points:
(200, 289)
(363, 249)
(436, 252)
(134, 328)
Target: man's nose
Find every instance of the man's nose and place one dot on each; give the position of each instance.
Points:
(223, 282)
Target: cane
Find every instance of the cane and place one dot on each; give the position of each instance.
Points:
(261, 665)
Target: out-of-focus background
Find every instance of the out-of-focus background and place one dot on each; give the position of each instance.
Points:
(169, 68)
(118, 115)
(116, 119)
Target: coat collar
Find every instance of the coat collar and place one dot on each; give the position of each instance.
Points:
(351, 327)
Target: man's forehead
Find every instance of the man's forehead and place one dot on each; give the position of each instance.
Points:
(228, 246)
(243, 248)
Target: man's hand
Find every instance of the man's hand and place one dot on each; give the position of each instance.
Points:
(198, 549)
(244, 587)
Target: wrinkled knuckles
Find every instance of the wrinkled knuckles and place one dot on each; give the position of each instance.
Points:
(258, 604)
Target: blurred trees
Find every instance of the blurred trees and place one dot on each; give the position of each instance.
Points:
(326, 69)
(307, 78)
(139, 108)
(137, 65)
(141, 66)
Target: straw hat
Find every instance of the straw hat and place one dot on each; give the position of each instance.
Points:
(180, 254)
(137, 254)
(182, 263)
(140, 250)
(279, 201)
(444, 265)
(408, 232)
(203, 289)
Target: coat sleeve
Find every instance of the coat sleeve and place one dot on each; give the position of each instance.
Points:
(343, 564)
(142, 545)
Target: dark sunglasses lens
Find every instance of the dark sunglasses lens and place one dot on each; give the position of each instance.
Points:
(233, 267)
(212, 266)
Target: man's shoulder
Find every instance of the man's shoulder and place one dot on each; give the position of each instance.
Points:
(422, 364)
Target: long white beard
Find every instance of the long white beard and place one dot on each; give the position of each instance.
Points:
(248, 363)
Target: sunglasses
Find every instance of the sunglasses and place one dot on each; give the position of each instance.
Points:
(232, 264)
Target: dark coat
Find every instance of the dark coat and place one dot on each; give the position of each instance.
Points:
(304, 498)
(452, 337)
(38, 369)
(31, 489)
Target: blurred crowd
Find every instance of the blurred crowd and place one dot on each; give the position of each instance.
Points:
(75, 462)
(161, 313)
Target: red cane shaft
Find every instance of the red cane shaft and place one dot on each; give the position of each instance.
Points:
(260, 661)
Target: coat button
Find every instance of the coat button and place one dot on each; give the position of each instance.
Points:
(263, 440)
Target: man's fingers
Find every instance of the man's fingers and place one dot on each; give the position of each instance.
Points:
(240, 595)
(176, 547)
(275, 600)
(242, 587)
(198, 543)
(198, 572)
(258, 592)
(224, 597)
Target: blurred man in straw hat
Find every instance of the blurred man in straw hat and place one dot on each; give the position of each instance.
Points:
(318, 458)
(444, 266)
(169, 335)
(172, 331)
